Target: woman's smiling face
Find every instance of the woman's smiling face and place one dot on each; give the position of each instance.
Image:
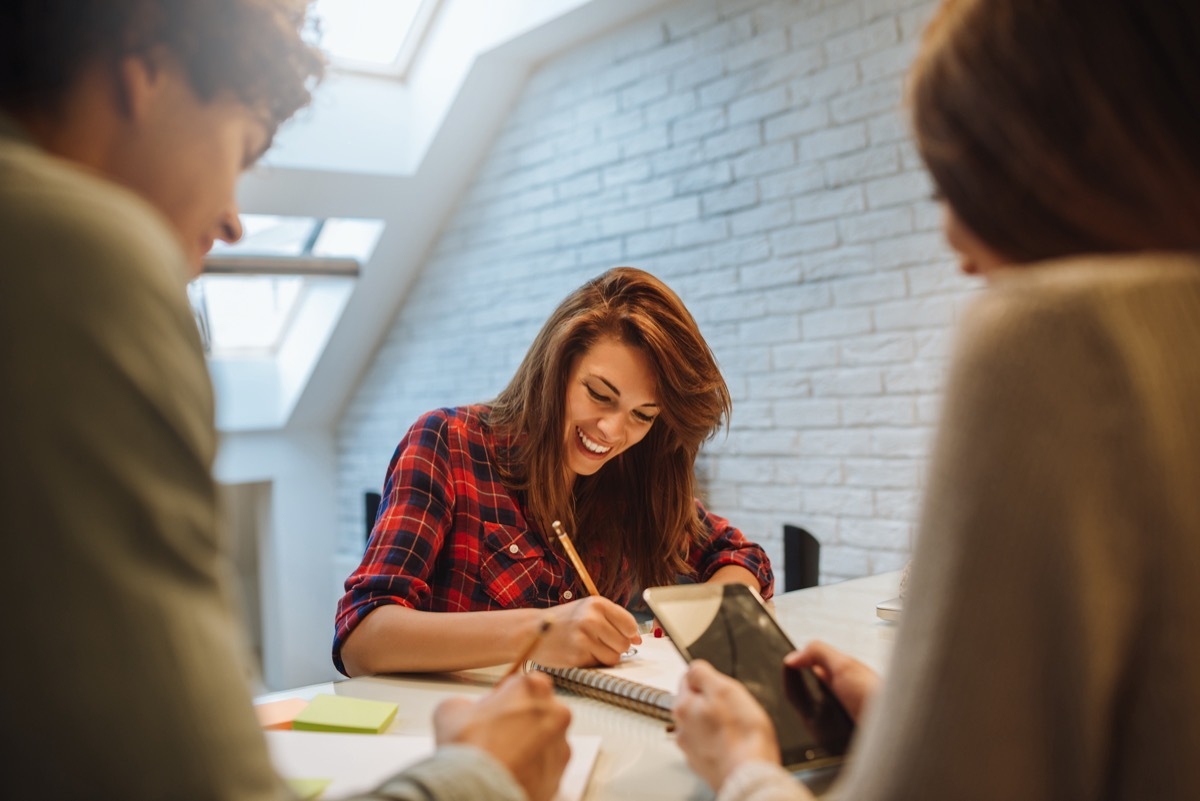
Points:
(610, 404)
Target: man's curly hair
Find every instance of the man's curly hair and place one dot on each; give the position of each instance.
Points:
(251, 48)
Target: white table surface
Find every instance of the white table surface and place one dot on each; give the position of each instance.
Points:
(638, 759)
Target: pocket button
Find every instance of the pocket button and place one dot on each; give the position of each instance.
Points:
(568, 595)
(513, 548)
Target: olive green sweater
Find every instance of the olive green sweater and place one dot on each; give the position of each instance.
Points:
(123, 675)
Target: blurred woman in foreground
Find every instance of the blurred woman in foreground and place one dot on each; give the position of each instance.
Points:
(1049, 647)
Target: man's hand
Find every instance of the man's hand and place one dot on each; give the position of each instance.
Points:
(520, 724)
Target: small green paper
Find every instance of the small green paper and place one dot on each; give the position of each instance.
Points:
(308, 788)
(342, 714)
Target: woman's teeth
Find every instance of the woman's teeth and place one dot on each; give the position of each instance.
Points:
(591, 445)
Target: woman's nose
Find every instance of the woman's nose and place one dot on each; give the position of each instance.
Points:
(610, 426)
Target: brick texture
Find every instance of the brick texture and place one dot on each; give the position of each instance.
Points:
(756, 157)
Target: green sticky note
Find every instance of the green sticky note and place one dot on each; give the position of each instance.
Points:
(340, 713)
(308, 788)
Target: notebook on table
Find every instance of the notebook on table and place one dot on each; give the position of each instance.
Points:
(645, 681)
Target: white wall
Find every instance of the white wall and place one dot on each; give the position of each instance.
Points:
(753, 155)
(295, 552)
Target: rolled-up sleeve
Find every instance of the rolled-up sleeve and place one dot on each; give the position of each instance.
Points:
(415, 515)
(726, 545)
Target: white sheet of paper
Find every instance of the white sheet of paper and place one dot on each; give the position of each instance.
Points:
(358, 763)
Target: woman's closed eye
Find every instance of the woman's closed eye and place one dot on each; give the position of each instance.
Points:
(600, 397)
(596, 396)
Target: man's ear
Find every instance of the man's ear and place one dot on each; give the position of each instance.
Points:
(140, 78)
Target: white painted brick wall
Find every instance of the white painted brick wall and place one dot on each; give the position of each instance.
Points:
(755, 155)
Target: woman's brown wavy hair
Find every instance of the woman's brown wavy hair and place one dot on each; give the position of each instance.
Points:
(635, 519)
(1059, 127)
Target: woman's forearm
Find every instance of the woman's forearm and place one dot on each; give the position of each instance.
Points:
(734, 574)
(397, 639)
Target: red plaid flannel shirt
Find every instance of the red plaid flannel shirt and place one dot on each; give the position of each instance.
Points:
(450, 537)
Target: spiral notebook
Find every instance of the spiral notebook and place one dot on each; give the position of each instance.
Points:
(644, 682)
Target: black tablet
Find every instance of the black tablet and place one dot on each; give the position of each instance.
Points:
(728, 626)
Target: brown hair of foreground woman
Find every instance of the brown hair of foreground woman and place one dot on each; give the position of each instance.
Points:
(1050, 130)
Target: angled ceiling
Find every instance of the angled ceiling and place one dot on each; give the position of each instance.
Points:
(401, 152)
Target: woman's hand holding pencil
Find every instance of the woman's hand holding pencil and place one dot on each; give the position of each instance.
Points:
(588, 631)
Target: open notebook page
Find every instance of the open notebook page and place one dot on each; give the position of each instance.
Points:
(656, 664)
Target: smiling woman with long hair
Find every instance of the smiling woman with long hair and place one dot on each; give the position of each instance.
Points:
(598, 429)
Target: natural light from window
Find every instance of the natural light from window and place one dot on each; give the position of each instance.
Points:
(247, 315)
(371, 35)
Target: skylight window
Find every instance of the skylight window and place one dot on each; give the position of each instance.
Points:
(270, 235)
(298, 238)
(376, 36)
(252, 291)
(347, 238)
(248, 313)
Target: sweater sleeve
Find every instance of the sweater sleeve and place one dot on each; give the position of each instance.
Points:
(454, 773)
(762, 781)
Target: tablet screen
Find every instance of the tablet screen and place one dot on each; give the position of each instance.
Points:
(729, 627)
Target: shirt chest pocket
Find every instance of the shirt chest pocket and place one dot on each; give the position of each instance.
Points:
(511, 566)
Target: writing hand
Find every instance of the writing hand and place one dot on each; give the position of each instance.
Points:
(720, 725)
(590, 631)
(520, 724)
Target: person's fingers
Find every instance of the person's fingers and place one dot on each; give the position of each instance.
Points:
(853, 682)
(797, 658)
(538, 684)
(600, 638)
(452, 708)
(621, 620)
(690, 698)
(824, 659)
(700, 674)
(814, 651)
(559, 717)
(605, 643)
(552, 762)
(450, 717)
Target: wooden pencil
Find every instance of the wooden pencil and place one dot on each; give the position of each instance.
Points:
(573, 555)
(527, 652)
